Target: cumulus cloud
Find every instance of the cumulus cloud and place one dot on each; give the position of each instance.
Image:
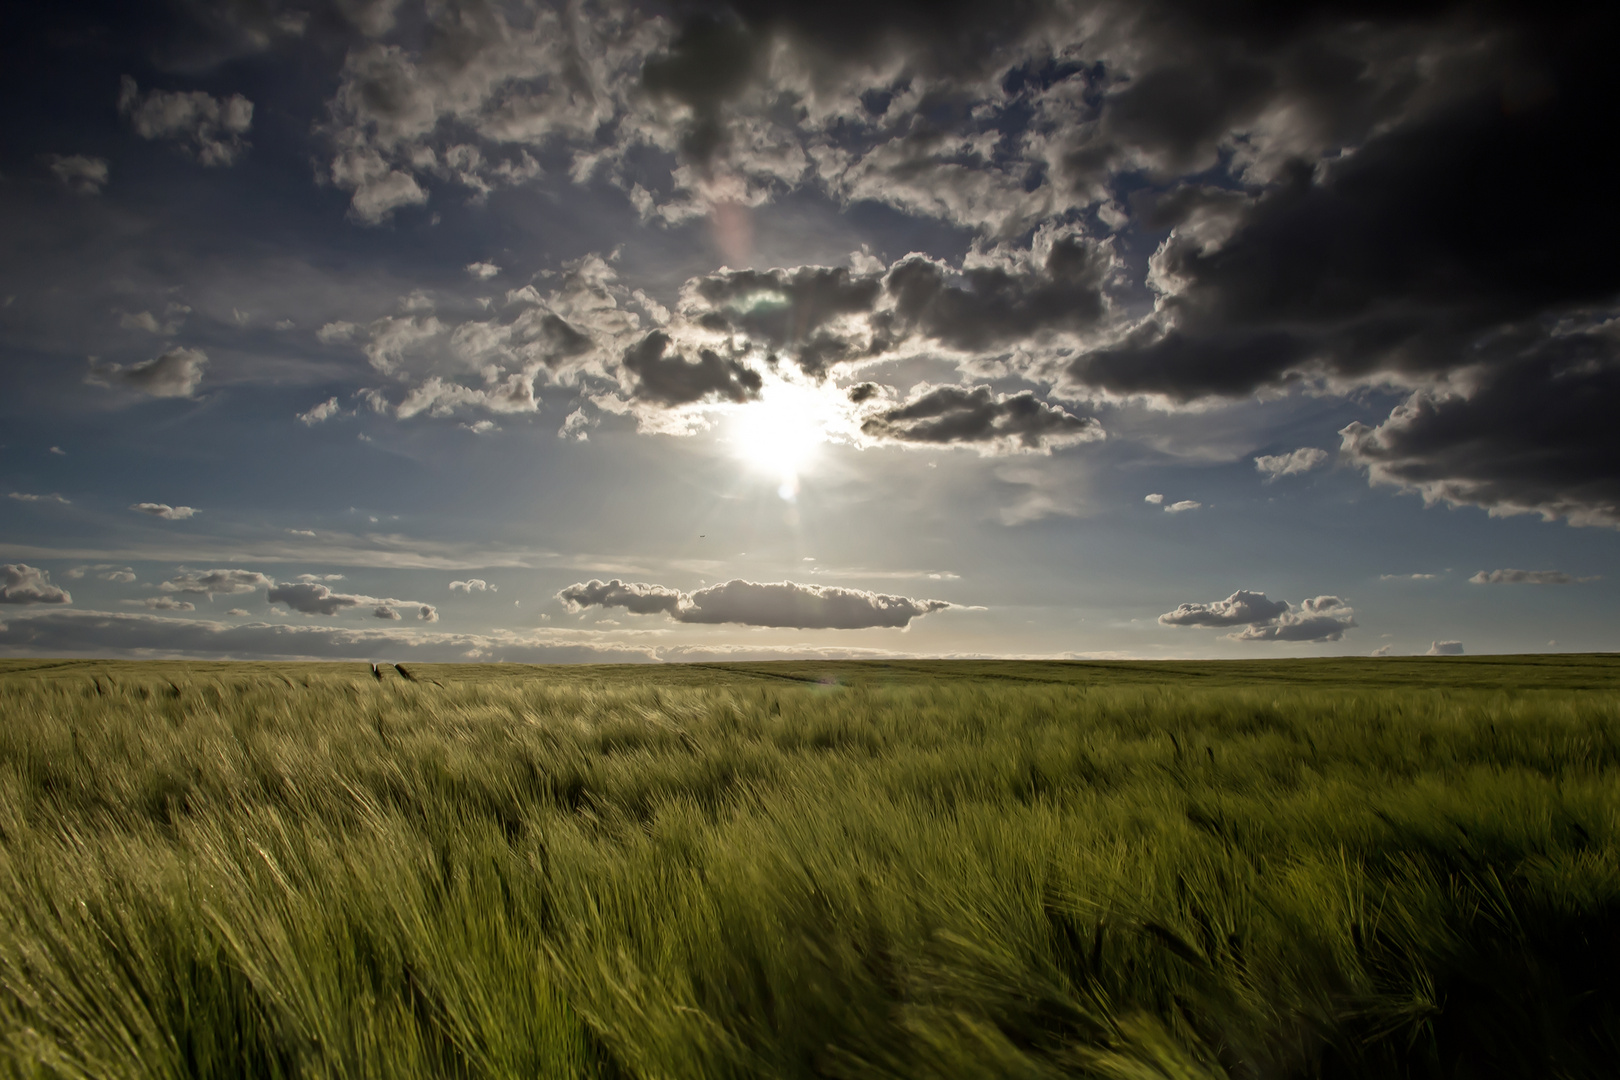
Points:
(471, 585)
(24, 584)
(783, 603)
(210, 129)
(483, 271)
(212, 583)
(1445, 648)
(667, 377)
(25, 497)
(1292, 463)
(1525, 577)
(1155, 499)
(1323, 618)
(311, 597)
(79, 173)
(175, 373)
(1241, 607)
(317, 413)
(977, 416)
(1182, 506)
(165, 511)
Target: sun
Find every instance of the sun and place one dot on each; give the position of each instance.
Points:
(781, 433)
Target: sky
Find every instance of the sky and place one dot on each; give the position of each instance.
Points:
(608, 331)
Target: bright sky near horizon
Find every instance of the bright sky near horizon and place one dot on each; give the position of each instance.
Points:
(605, 330)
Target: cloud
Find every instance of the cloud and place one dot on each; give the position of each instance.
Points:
(23, 497)
(1293, 463)
(310, 597)
(483, 271)
(979, 417)
(471, 585)
(24, 584)
(1156, 499)
(1324, 618)
(1382, 650)
(165, 511)
(1445, 648)
(1183, 506)
(210, 129)
(238, 613)
(317, 413)
(143, 635)
(1524, 577)
(212, 583)
(80, 173)
(1529, 434)
(782, 604)
(675, 380)
(175, 373)
(1241, 607)
(163, 603)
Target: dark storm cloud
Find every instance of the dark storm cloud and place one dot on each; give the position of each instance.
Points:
(977, 416)
(989, 305)
(803, 312)
(1320, 619)
(673, 380)
(1534, 433)
(174, 373)
(24, 584)
(781, 604)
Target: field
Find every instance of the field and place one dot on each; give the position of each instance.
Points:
(1340, 869)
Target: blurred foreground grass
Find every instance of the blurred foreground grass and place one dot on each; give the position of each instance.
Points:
(1390, 868)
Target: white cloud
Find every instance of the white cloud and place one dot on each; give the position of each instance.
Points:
(1408, 577)
(1183, 506)
(165, 511)
(175, 373)
(483, 271)
(1293, 463)
(1525, 577)
(23, 497)
(1155, 498)
(24, 584)
(210, 129)
(1382, 650)
(324, 411)
(1445, 648)
(471, 585)
(1323, 618)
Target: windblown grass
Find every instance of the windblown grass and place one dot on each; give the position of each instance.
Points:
(1334, 869)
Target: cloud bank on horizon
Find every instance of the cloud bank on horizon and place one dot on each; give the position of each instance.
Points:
(960, 282)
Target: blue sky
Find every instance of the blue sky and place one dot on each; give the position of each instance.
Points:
(613, 331)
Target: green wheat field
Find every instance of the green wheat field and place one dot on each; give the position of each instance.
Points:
(1338, 869)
